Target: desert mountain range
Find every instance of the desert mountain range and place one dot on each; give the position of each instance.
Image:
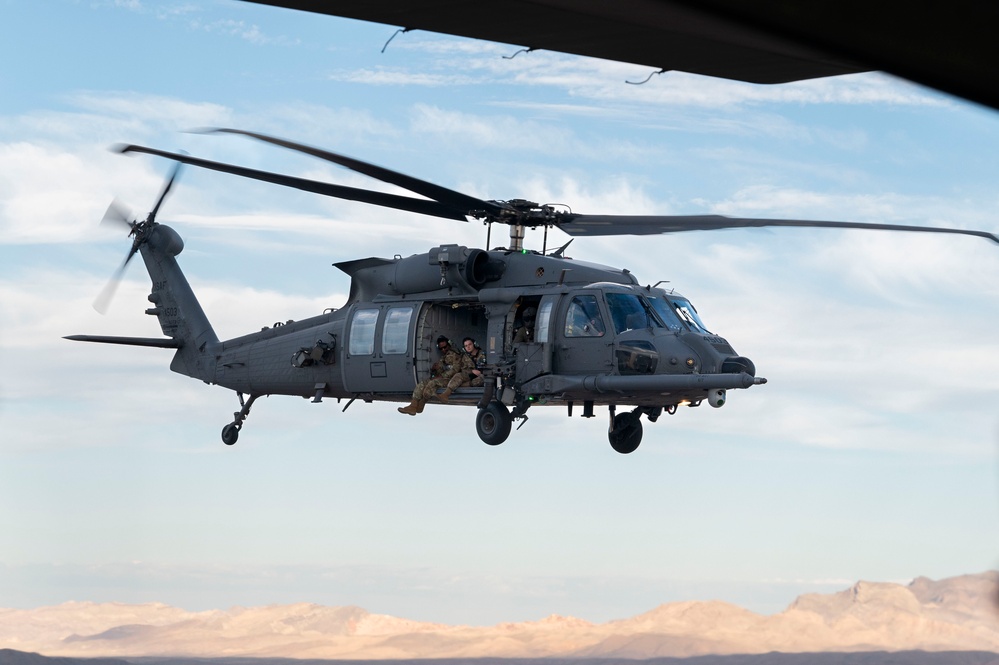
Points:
(954, 614)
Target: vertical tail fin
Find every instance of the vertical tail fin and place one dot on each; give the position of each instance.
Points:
(175, 306)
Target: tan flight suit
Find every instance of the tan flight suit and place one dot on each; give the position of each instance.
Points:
(464, 376)
(440, 373)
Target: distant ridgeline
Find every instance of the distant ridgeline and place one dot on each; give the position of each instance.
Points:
(953, 621)
(12, 657)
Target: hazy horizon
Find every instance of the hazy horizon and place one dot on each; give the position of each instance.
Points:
(526, 598)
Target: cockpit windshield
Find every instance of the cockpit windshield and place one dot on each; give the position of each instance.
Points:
(686, 311)
(630, 312)
(668, 315)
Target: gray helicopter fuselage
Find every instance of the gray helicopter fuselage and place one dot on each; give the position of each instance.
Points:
(640, 351)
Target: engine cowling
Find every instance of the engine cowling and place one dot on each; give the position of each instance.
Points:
(448, 266)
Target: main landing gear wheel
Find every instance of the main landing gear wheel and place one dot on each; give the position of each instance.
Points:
(627, 433)
(493, 422)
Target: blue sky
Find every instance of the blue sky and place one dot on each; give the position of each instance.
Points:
(870, 454)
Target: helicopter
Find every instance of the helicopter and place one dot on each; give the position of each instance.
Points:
(599, 338)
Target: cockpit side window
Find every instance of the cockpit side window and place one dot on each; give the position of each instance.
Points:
(583, 318)
(629, 312)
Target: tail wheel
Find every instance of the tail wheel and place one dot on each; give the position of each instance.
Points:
(493, 422)
(627, 433)
(230, 433)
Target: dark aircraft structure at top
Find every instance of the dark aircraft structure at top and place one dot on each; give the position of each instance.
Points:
(553, 330)
(950, 46)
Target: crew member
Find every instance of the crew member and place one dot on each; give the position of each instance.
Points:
(440, 373)
(525, 333)
(470, 372)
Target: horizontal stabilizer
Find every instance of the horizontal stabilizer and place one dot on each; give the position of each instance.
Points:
(160, 342)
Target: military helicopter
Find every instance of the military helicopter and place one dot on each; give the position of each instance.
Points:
(599, 337)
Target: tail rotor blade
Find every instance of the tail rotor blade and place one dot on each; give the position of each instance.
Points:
(117, 215)
(166, 190)
(103, 300)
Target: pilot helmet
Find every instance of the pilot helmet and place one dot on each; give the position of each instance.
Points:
(528, 315)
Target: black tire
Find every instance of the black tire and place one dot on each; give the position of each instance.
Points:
(493, 423)
(229, 434)
(627, 434)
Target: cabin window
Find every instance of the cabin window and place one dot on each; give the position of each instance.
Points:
(583, 318)
(395, 334)
(628, 312)
(362, 332)
(544, 317)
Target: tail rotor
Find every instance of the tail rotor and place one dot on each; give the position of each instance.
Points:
(117, 216)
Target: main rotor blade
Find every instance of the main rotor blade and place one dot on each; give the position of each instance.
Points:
(457, 200)
(103, 299)
(408, 204)
(606, 225)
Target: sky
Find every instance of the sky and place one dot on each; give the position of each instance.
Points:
(871, 453)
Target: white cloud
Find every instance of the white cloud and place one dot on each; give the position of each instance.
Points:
(609, 196)
(153, 111)
(397, 77)
(515, 135)
(246, 31)
(194, 16)
(57, 175)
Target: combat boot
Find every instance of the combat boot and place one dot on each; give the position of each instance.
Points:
(444, 396)
(414, 407)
